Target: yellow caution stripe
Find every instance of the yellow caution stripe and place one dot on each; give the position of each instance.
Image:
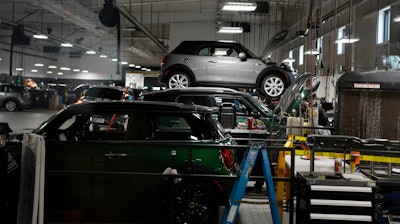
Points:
(371, 158)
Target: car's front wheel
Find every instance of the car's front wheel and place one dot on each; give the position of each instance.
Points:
(11, 105)
(195, 202)
(178, 80)
(272, 86)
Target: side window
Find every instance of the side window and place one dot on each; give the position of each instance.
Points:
(97, 126)
(198, 100)
(204, 52)
(167, 127)
(225, 52)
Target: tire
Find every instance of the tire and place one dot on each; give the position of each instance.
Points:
(11, 105)
(178, 80)
(195, 203)
(272, 86)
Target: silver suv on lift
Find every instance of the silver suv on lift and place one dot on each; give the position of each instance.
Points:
(223, 64)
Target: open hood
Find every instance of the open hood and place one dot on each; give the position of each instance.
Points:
(273, 43)
(297, 91)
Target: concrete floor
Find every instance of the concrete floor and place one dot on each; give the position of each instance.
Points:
(253, 213)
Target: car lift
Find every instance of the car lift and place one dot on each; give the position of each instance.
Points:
(240, 184)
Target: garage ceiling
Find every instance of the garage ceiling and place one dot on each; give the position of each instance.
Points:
(144, 23)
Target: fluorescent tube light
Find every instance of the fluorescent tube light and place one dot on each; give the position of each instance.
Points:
(65, 69)
(114, 59)
(228, 29)
(347, 40)
(124, 63)
(66, 45)
(103, 56)
(397, 19)
(59, 73)
(131, 65)
(39, 65)
(52, 66)
(239, 6)
(19, 69)
(34, 70)
(90, 52)
(76, 70)
(288, 60)
(49, 72)
(85, 71)
(312, 52)
(40, 36)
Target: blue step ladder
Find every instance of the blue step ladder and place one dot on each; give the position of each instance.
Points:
(240, 185)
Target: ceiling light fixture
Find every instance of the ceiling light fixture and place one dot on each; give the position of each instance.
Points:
(397, 19)
(65, 69)
(19, 69)
(228, 29)
(103, 56)
(85, 71)
(288, 60)
(347, 40)
(39, 65)
(40, 36)
(312, 52)
(49, 72)
(76, 70)
(114, 59)
(239, 6)
(52, 66)
(34, 70)
(66, 45)
(90, 52)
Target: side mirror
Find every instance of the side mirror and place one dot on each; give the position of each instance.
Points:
(242, 56)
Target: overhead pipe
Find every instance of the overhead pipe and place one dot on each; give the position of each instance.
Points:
(136, 22)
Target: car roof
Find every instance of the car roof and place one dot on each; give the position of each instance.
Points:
(192, 46)
(193, 90)
(142, 106)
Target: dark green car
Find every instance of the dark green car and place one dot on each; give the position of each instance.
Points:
(106, 170)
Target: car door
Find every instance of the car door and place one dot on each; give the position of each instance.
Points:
(225, 66)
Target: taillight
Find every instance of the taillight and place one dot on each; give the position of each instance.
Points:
(228, 158)
(164, 60)
(79, 101)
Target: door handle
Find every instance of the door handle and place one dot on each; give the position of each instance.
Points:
(115, 155)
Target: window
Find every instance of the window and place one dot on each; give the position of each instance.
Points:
(383, 32)
(204, 52)
(290, 62)
(319, 47)
(340, 46)
(301, 55)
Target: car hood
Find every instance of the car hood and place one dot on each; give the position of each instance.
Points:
(297, 92)
(273, 43)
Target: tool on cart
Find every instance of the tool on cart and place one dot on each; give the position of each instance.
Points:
(240, 184)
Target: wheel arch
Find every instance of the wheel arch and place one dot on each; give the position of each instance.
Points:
(269, 71)
(5, 100)
(219, 186)
(175, 68)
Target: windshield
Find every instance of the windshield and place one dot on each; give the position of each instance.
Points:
(247, 51)
(262, 107)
